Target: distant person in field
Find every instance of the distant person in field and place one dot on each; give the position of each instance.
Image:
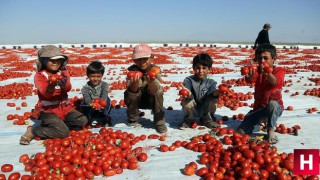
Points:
(96, 103)
(268, 104)
(143, 89)
(57, 116)
(202, 95)
(263, 36)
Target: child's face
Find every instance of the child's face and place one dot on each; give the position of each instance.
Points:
(95, 79)
(53, 65)
(201, 71)
(143, 63)
(265, 56)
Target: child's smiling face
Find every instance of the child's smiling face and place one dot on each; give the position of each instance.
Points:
(201, 71)
(54, 65)
(95, 78)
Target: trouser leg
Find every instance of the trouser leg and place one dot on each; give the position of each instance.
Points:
(75, 120)
(51, 126)
(273, 112)
(132, 101)
(189, 110)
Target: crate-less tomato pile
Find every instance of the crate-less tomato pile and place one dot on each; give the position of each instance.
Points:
(221, 153)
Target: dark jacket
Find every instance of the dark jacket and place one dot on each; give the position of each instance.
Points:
(263, 37)
(200, 89)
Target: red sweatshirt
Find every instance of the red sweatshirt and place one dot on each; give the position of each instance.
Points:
(56, 102)
(264, 92)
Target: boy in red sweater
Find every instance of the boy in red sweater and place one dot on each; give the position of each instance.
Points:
(57, 116)
(268, 102)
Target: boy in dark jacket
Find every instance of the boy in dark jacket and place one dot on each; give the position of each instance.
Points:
(202, 94)
(52, 81)
(268, 102)
(143, 89)
(96, 104)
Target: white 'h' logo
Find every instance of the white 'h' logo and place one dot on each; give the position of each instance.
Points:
(303, 162)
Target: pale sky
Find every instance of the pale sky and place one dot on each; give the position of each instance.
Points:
(89, 21)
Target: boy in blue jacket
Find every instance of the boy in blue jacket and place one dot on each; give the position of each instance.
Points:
(202, 94)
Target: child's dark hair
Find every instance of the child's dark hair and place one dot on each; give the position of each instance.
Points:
(266, 48)
(95, 67)
(203, 59)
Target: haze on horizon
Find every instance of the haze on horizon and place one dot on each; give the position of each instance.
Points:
(37, 21)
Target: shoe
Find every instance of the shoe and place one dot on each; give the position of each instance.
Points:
(133, 123)
(241, 131)
(213, 118)
(106, 121)
(273, 139)
(185, 124)
(209, 123)
(24, 140)
(162, 128)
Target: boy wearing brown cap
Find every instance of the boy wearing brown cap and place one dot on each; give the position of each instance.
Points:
(144, 92)
(52, 81)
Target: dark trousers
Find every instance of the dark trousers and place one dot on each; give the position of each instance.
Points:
(51, 126)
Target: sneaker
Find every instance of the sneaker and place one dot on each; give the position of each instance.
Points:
(241, 131)
(213, 118)
(209, 123)
(162, 128)
(185, 124)
(133, 123)
(106, 121)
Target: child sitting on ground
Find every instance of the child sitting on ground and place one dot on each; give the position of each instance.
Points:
(144, 92)
(57, 116)
(96, 91)
(202, 96)
(268, 102)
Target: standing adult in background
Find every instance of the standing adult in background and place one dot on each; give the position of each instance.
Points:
(263, 36)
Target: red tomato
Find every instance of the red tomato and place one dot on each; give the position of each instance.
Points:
(203, 172)
(244, 70)
(110, 172)
(131, 74)
(184, 92)
(223, 88)
(53, 78)
(265, 64)
(253, 68)
(103, 103)
(24, 158)
(143, 157)
(193, 125)
(14, 176)
(6, 168)
(2, 177)
(245, 172)
(189, 170)
(194, 165)
(151, 74)
(156, 70)
(268, 70)
(133, 165)
(164, 148)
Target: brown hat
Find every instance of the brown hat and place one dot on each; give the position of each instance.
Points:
(51, 52)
